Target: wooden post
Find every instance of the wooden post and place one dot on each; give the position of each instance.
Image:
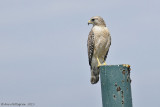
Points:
(115, 86)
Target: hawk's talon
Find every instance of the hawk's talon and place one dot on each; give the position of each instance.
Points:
(99, 65)
(104, 63)
(126, 65)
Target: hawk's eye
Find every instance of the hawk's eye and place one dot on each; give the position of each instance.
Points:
(93, 20)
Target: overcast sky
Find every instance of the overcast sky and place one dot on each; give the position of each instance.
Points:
(43, 50)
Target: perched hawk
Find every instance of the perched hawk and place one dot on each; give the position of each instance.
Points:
(98, 44)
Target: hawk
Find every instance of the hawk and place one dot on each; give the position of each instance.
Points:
(99, 41)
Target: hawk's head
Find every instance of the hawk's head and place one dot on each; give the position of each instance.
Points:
(97, 21)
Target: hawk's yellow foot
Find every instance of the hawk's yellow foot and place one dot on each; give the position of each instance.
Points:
(99, 64)
(126, 65)
(104, 63)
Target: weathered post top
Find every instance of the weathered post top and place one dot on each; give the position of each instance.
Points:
(115, 85)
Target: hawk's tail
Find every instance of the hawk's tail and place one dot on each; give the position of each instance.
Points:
(94, 75)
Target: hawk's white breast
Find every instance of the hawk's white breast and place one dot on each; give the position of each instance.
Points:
(100, 39)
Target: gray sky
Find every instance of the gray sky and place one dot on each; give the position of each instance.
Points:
(43, 57)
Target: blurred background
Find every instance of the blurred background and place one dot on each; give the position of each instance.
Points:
(43, 50)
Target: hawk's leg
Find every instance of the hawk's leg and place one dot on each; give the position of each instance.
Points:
(99, 64)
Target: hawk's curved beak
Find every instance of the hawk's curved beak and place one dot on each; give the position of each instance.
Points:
(90, 22)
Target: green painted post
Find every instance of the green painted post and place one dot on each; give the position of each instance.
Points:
(115, 86)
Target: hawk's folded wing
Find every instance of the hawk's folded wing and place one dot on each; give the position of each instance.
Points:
(90, 45)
